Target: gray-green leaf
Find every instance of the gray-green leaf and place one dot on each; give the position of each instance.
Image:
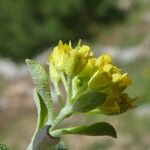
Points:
(97, 129)
(88, 101)
(41, 110)
(41, 82)
(42, 115)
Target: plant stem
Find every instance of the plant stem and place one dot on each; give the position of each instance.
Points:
(60, 100)
(65, 111)
(69, 91)
(56, 133)
(63, 79)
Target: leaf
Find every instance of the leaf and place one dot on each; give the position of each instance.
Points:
(97, 129)
(42, 115)
(40, 79)
(88, 101)
(43, 141)
(41, 110)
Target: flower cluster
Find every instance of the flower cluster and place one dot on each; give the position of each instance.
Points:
(89, 73)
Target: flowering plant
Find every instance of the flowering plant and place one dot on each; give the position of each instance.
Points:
(92, 85)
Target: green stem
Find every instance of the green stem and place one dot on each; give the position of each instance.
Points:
(65, 111)
(60, 100)
(69, 91)
(63, 79)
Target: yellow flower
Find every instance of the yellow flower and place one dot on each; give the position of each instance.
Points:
(89, 73)
(89, 69)
(116, 104)
(121, 79)
(110, 106)
(109, 68)
(85, 51)
(102, 78)
(103, 59)
(70, 61)
(59, 55)
(77, 60)
(109, 79)
(99, 80)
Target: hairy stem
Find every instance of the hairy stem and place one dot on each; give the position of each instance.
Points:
(65, 111)
(63, 79)
(69, 91)
(60, 100)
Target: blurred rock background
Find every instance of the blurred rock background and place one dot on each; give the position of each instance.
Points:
(30, 28)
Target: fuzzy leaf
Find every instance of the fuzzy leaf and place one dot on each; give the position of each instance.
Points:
(97, 129)
(41, 110)
(42, 115)
(88, 101)
(40, 79)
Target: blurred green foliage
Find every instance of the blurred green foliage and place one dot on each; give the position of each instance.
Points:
(3, 147)
(29, 26)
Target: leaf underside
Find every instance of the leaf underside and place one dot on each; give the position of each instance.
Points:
(97, 129)
(41, 110)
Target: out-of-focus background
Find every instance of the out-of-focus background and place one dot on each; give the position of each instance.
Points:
(30, 28)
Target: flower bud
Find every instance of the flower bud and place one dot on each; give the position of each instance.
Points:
(59, 55)
(89, 69)
(121, 79)
(116, 104)
(103, 59)
(99, 80)
(71, 61)
(77, 60)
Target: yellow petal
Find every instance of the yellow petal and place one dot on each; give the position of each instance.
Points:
(59, 54)
(89, 69)
(125, 81)
(116, 77)
(99, 80)
(110, 106)
(77, 60)
(85, 51)
(107, 68)
(103, 59)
